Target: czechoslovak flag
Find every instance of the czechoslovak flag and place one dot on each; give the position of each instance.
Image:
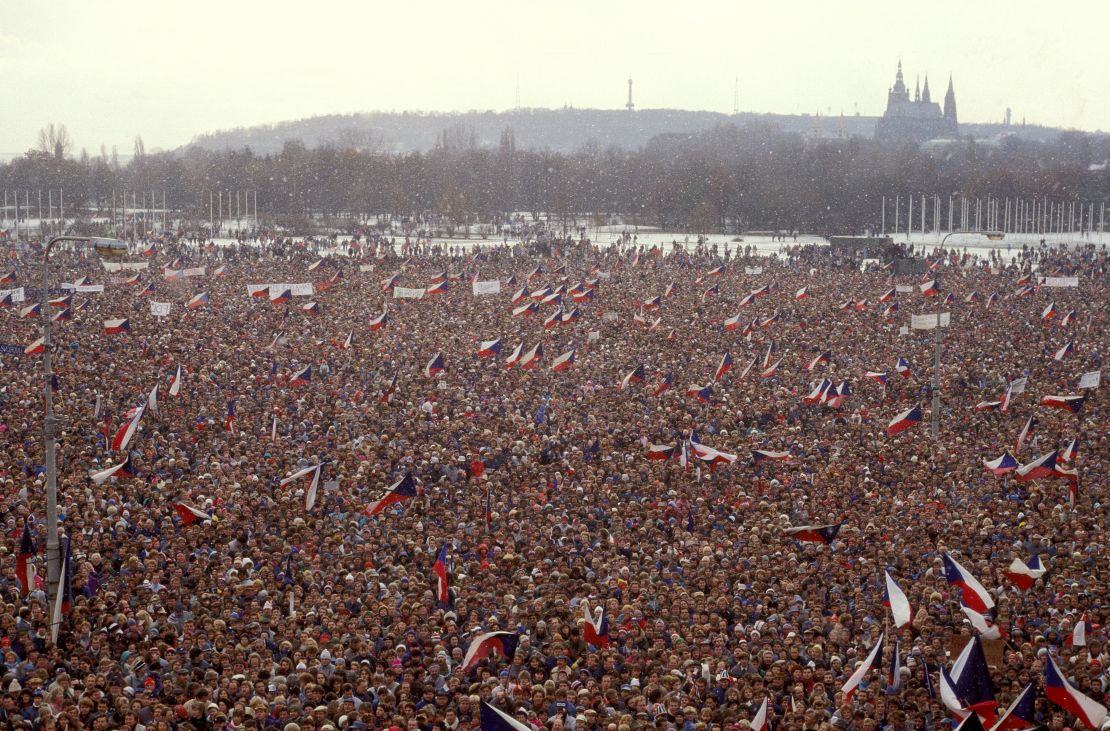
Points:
(127, 431)
(1062, 693)
(853, 682)
(116, 327)
(313, 484)
(503, 643)
(973, 594)
(564, 362)
(595, 630)
(434, 366)
(896, 600)
(175, 383)
(190, 515)
(198, 301)
(399, 491)
(492, 719)
(489, 348)
(759, 721)
(1024, 575)
(903, 421)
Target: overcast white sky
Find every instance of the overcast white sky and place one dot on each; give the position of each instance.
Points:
(114, 69)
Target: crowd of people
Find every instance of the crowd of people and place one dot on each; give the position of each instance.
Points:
(204, 595)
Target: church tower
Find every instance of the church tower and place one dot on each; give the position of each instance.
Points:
(950, 103)
(925, 92)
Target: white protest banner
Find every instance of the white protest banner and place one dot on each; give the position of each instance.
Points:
(302, 289)
(493, 286)
(1091, 379)
(17, 294)
(903, 330)
(604, 275)
(193, 272)
(90, 288)
(609, 317)
(159, 309)
(407, 293)
(1018, 385)
(593, 337)
(1058, 281)
(928, 322)
(171, 274)
(753, 270)
(904, 288)
(366, 267)
(115, 266)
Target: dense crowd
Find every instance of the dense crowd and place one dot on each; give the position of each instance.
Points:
(262, 615)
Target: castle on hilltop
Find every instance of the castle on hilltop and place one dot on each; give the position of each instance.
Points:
(918, 119)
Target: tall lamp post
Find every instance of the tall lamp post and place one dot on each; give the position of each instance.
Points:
(993, 236)
(110, 248)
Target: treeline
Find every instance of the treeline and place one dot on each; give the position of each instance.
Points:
(755, 177)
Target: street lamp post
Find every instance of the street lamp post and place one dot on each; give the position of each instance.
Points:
(935, 427)
(106, 248)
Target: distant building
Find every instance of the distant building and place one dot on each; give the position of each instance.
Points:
(918, 119)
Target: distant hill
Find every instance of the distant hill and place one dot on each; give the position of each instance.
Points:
(559, 130)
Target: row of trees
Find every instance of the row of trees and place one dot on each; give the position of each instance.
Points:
(757, 175)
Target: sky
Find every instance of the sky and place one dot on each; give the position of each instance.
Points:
(112, 70)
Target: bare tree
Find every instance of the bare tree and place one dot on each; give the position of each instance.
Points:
(54, 140)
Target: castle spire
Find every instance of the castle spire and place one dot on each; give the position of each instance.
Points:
(950, 102)
(899, 83)
(925, 97)
(917, 89)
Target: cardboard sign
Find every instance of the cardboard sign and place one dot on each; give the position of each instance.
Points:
(928, 322)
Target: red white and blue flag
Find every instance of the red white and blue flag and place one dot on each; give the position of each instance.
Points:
(434, 366)
(1026, 431)
(532, 358)
(514, 357)
(1065, 351)
(802, 293)
(1006, 463)
(904, 421)
(1067, 319)
(198, 301)
(895, 599)
(564, 362)
(972, 594)
(398, 492)
(1049, 312)
(825, 534)
(824, 357)
(489, 348)
(663, 386)
(303, 377)
(595, 629)
(1024, 575)
(27, 551)
(759, 720)
(902, 368)
(857, 677)
(723, 367)
(127, 431)
(313, 473)
(877, 376)
(378, 322)
(929, 288)
(122, 470)
(280, 296)
(636, 375)
(439, 568)
(1019, 715)
(490, 643)
(1067, 403)
(117, 327)
(1063, 694)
